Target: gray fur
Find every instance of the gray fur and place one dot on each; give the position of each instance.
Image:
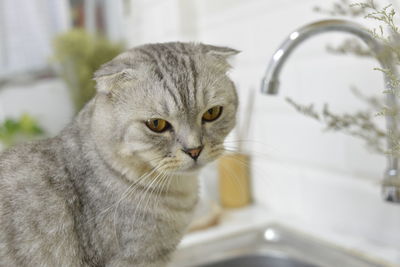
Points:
(107, 191)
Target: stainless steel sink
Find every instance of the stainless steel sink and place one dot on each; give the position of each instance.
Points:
(269, 246)
(256, 260)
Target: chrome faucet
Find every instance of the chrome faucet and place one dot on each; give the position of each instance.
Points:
(270, 84)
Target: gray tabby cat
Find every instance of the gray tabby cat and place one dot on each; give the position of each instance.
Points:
(117, 187)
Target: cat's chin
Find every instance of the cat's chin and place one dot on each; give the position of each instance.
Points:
(191, 169)
(195, 168)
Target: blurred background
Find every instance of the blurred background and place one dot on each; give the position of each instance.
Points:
(308, 175)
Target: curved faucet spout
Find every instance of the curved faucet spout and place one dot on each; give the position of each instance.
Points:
(270, 83)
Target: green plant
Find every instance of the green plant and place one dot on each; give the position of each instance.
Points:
(14, 131)
(79, 55)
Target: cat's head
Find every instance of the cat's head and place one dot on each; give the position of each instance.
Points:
(169, 106)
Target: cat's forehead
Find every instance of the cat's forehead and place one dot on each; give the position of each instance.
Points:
(178, 64)
(162, 100)
(169, 78)
(180, 77)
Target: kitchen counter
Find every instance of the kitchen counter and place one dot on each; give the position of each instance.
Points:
(240, 220)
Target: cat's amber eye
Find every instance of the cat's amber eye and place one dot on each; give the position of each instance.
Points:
(212, 114)
(158, 125)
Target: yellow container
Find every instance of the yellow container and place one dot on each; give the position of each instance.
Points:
(234, 180)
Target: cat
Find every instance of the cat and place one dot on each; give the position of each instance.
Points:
(118, 185)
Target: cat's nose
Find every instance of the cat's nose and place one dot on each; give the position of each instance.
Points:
(194, 153)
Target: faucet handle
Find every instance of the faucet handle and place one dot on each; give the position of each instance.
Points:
(270, 86)
(391, 186)
(391, 193)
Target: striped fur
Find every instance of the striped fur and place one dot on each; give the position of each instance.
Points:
(107, 191)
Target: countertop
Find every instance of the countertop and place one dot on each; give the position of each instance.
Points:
(237, 220)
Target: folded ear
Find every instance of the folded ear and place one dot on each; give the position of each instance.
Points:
(219, 51)
(111, 75)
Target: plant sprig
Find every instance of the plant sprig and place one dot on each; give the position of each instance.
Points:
(359, 124)
(342, 8)
(362, 123)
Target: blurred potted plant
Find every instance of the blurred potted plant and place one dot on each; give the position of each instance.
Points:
(13, 131)
(79, 54)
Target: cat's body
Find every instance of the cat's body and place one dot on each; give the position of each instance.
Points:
(107, 191)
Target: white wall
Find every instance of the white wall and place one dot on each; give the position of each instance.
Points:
(25, 44)
(47, 101)
(324, 179)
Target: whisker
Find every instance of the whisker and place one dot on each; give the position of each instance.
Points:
(256, 142)
(129, 190)
(169, 182)
(248, 152)
(158, 195)
(125, 193)
(143, 197)
(236, 179)
(260, 168)
(157, 189)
